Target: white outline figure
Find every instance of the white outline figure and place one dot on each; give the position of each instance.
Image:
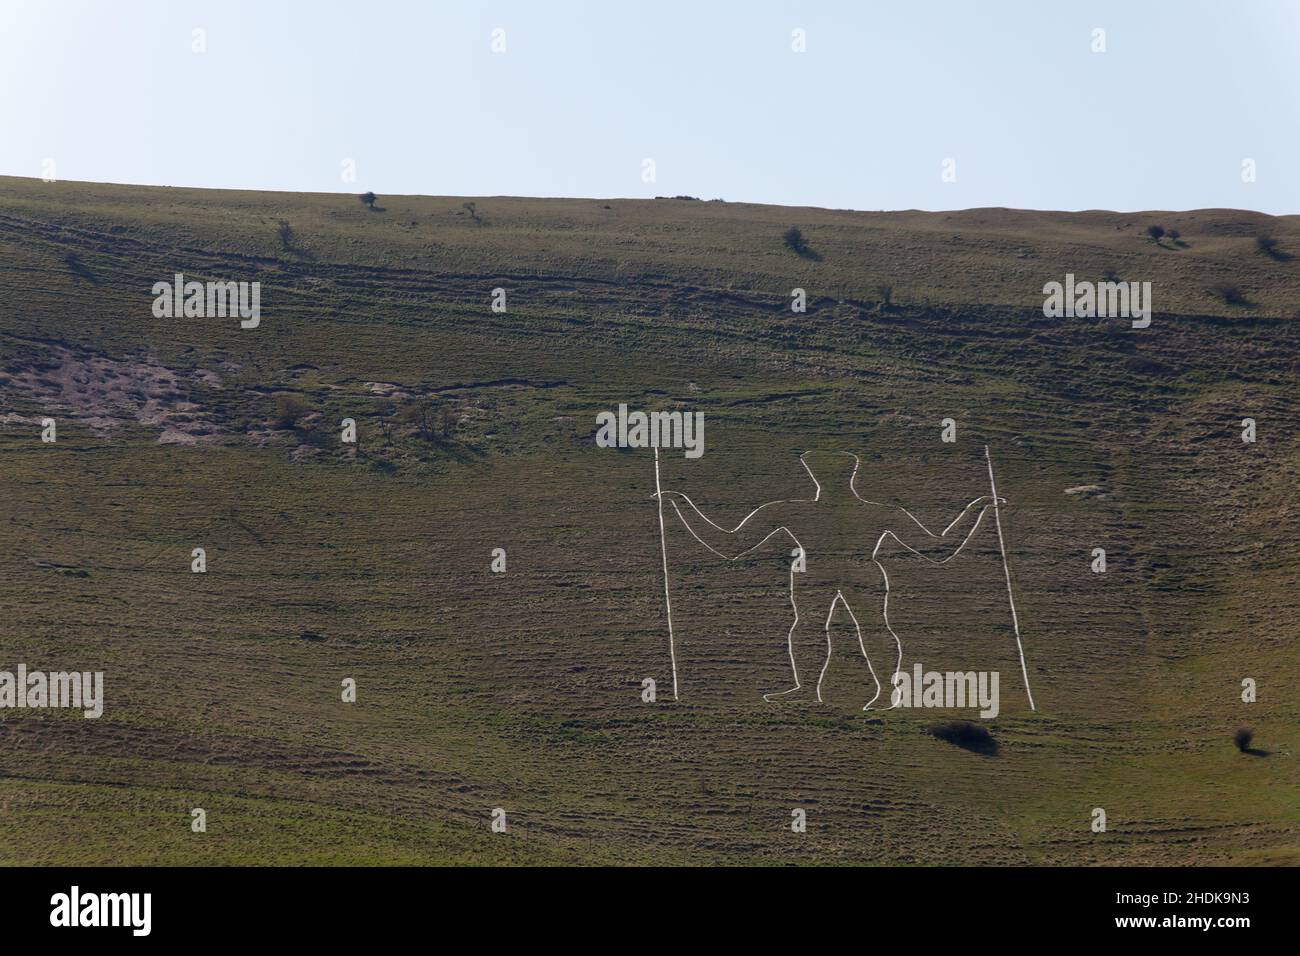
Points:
(839, 596)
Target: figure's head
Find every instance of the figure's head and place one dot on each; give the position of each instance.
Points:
(832, 470)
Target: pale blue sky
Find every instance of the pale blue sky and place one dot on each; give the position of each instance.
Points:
(1010, 89)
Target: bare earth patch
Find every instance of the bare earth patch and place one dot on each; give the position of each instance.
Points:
(106, 394)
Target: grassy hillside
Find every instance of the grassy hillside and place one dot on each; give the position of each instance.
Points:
(522, 690)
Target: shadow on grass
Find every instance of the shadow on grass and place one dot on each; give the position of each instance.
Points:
(1242, 739)
(73, 262)
(794, 240)
(967, 736)
(1230, 293)
(806, 252)
(457, 451)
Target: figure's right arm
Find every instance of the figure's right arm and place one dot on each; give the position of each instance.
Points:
(940, 548)
(759, 525)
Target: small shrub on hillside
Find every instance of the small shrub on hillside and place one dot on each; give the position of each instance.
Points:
(1156, 232)
(289, 410)
(385, 414)
(1242, 738)
(434, 422)
(1229, 292)
(1268, 245)
(795, 241)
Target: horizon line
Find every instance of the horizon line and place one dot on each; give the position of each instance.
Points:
(683, 197)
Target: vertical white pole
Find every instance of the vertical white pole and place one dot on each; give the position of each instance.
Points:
(1006, 569)
(663, 549)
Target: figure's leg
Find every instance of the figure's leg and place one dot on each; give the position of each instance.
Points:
(808, 645)
(882, 649)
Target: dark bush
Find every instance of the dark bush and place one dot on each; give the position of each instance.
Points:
(73, 262)
(794, 240)
(1229, 292)
(1268, 245)
(1156, 232)
(368, 199)
(289, 409)
(1242, 738)
(420, 412)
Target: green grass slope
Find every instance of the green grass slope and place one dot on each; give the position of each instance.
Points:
(522, 690)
